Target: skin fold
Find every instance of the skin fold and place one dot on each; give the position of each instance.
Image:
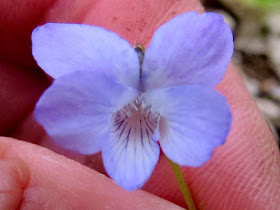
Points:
(242, 174)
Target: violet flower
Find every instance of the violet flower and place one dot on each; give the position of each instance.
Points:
(102, 99)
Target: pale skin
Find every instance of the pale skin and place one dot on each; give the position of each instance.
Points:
(242, 174)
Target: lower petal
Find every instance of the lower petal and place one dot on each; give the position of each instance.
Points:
(195, 120)
(131, 153)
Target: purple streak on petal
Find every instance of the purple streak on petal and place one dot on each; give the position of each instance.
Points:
(131, 153)
(189, 49)
(195, 120)
(76, 110)
(61, 48)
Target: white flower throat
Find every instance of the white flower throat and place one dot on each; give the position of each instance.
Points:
(137, 120)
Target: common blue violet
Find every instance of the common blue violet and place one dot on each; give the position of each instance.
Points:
(101, 101)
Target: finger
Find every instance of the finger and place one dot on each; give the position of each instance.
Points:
(243, 173)
(35, 178)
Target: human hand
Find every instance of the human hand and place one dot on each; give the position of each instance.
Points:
(241, 174)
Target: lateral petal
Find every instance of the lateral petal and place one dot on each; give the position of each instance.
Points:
(195, 120)
(76, 110)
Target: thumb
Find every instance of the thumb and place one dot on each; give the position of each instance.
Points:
(32, 177)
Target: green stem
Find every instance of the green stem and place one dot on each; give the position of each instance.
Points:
(183, 186)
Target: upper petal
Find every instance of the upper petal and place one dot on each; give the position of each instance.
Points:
(189, 49)
(195, 120)
(76, 110)
(61, 48)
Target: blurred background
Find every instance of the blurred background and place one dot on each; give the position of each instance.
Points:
(256, 28)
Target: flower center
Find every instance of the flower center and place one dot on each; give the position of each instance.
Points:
(136, 120)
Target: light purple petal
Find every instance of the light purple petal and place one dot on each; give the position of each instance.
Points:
(189, 49)
(62, 48)
(76, 110)
(131, 153)
(195, 120)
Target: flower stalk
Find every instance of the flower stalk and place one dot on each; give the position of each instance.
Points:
(183, 185)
